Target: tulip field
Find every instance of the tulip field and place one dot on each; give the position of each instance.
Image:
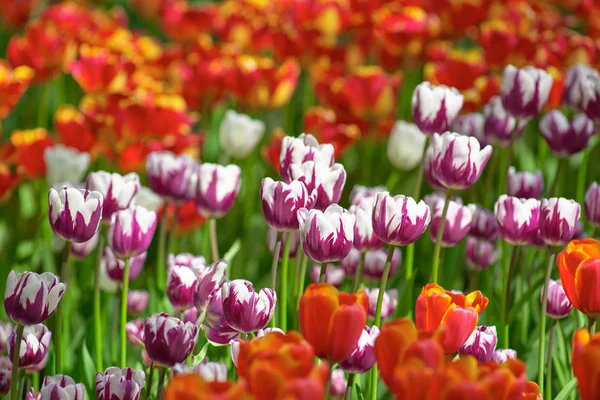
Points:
(299, 199)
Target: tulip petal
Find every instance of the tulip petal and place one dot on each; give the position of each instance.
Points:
(345, 329)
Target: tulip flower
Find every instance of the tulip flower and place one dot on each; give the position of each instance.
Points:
(480, 253)
(500, 356)
(194, 387)
(62, 387)
(586, 355)
(456, 226)
(281, 201)
(137, 301)
(13, 83)
(359, 192)
(210, 280)
(364, 235)
(216, 327)
(577, 83)
(35, 341)
(374, 263)
(525, 91)
(481, 344)
(483, 224)
(65, 165)
(456, 312)
(170, 176)
(328, 182)
(590, 103)
(579, 267)
(146, 198)
(592, 204)
(118, 190)
(120, 384)
(29, 146)
(115, 267)
(471, 124)
(332, 321)
(181, 283)
(332, 127)
(333, 275)
(525, 185)
(362, 358)
(135, 332)
(566, 137)
(399, 220)
(406, 146)
(337, 386)
(217, 189)
(434, 108)
(500, 127)
(518, 219)
(245, 310)
(30, 298)
(5, 380)
(131, 231)
(558, 220)
(212, 371)
(74, 214)
(168, 340)
(239, 134)
(388, 305)
(297, 151)
(6, 329)
(81, 251)
(558, 305)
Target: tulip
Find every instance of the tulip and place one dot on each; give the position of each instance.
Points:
(388, 305)
(500, 356)
(294, 241)
(399, 220)
(217, 189)
(362, 358)
(333, 275)
(406, 145)
(434, 108)
(558, 305)
(590, 103)
(137, 301)
(364, 235)
(585, 356)
(281, 201)
(170, 176)
(483, 224)
(245, 310)
(74, 214)
(239, 134)
(457, 312)
(525, 185)
(118, 190)
(358, 192)
(168, 340)
(566, 137)
(481, 344)
(5, 380)
(337, 386)
(30, 298)
(518, 219)
(135, 332)
(591, 204)
(300, 150)
(146, 198)
(131, 231)
(577, 83)
(579, 267)
(558, 220)
(61, 387)
(471, 124)
(120, 384)
(500, 128)
(480, 253)
(374, 263)
(328, 182)
(332, 321)
(106, 283)
(34, 345)
(210, 281)
(6, 329)
(216, 327)
(197, 263)
(194, 387)
(181, 283)
(81, 251)
(212, 371)
(525, 91)
(65, 164)
(456, 226)
(115, 267)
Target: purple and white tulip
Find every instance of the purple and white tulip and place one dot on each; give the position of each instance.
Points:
(405, 147)
(481, 344)
(211, 371)
(591, 204)
(65, 164)
(480, 253)
(471, 124)
(590, 103)
(525, 91)
(399, 220)
(61, 387)
(30, 298)
(525, 185)
(168, 340)
(216, 189)
(190, 315)
(181, 284)
(327, 181)
(5, 379)
(137, 301)
(358, 192)
(364, 235)
(281, 201)
(434, 108)
(120, 384)
(210, 281)
(500, 356)
(390, 302)
(483, 225)
(294, 242)
(6, 329)
(217, 329)
(245, 310)
(131, 231)
(566, 137)
(558, 220)
(118, 190)
(74, 214)
(518, 219)
(135, 332)
(577, 83)
(500, 128)
(34, 345)
(557, 305)
(115, 267)
(457, 225)
(300, 150)
(363, 357)
(333, 275)
(171, 176)
(81, 251)
(197, 263)
(337, 387)
(239, 134)
(374, 263)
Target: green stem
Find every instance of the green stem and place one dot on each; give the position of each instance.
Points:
(543, 322)
(275, 262)
(323, 273)
(43, 108)
(64, 270)
(581, 175)
(171, 237)
(348, 394)
(359, 271)
(419, 182)
(503, 164)
(560, 167)
(161, 382)
(513, 262)
(161, 269)
(284, 283)
(98, 301)
(592, 325)
(549, 361)
(149, 383)
(14, 390)
(410, 260)
(124, 312)
(392, 180)
(302, 278)
(489, 179)
(35, 377)
(214, 246)
(438, 241)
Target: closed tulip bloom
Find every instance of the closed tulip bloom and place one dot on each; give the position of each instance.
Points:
(358, 192)
(217, 189)
(137, 301)
(327, 181)
(456, 161)
(326, 236)
(212, 371)
(239, 134)
(115, 267)
(81, 251)
(135, 332)
(405, 146)
(120, 384)
(170, 176)
(525, 91)
(591, 204)
(590, 103)
(362, 358)
(302, 149)
(499, 128)
(471, 124)
(399, 220)
(131, 231)
(586, 356)
(577, 82)
(146, 198)
(30, 298)
(6, 329)
(217, 329)
(481, 344)
(558, 220)
(558, 305)
(434, 108)
(374, 263)
(500, 356)
(364, 235)
(34, 345)
(245, 310)
(189, 260)
(331, 321)
(457, 225)
(483, 223)
(480, 253)
(333, 275)
(337, 387)
(181, 283)
(61, 387)
(168, 340)
(74, 214)
(518, 219)
(294, 242)
(566, 137)
(388, 306)
(281, 201)
(65, 164)
(457, 312)
(525, 185)
(579, 267)
(210, 280)
(118, 190)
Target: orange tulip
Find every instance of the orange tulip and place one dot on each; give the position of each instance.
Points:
(586, 363)
(13, 83)
(73, 129)
(97, 70)
(29, 147)
(579, 267)
(324, 124)
(457, 314)
(194, 387)
(185, 22)
(14, 14)
(332, 321)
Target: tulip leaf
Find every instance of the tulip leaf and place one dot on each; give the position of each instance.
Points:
(233, 250)
(517, 307)
(358, 392)
(201, 355)
(406, 301)
(566, 391)
(89, 371)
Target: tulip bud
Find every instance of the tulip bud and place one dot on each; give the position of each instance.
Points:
(146, 198)
(457, 225)
(577, 82)
(302, 149)
(480, 253)
(197, 263)
(210, 280)
(239, 134)
(434, 108)
(137, 301)
(327, 181)
(525, 91)
(74, 214)
(326, 236)
(364, 235)
(333, 275)
(5, 380)
(399, 220)
(30, 298)
(500, 356)
(337, 387)
(590, 103)
(135, 332)
(217, 188)
(131, 231)
(388, 306)
(558, 305)
(118, 190)
(518, 219)
(374, 263)
(245, 310)
(525, 185)
(115, 267)
(170, 176)
(405, 146)
(566, 137)
(34, 345)
(281, 202)
(181, 283)
(65, 164)
(359, 192)
(168, 340)
(592, 204)
(471, 124)
(362, 358)
(500, 128)
(61, 387)
(81, 251)
(558, 220)
(212, 371)
(294, 242)
(483, 224)
(6, 329)
(481, 344)
(120, 384)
